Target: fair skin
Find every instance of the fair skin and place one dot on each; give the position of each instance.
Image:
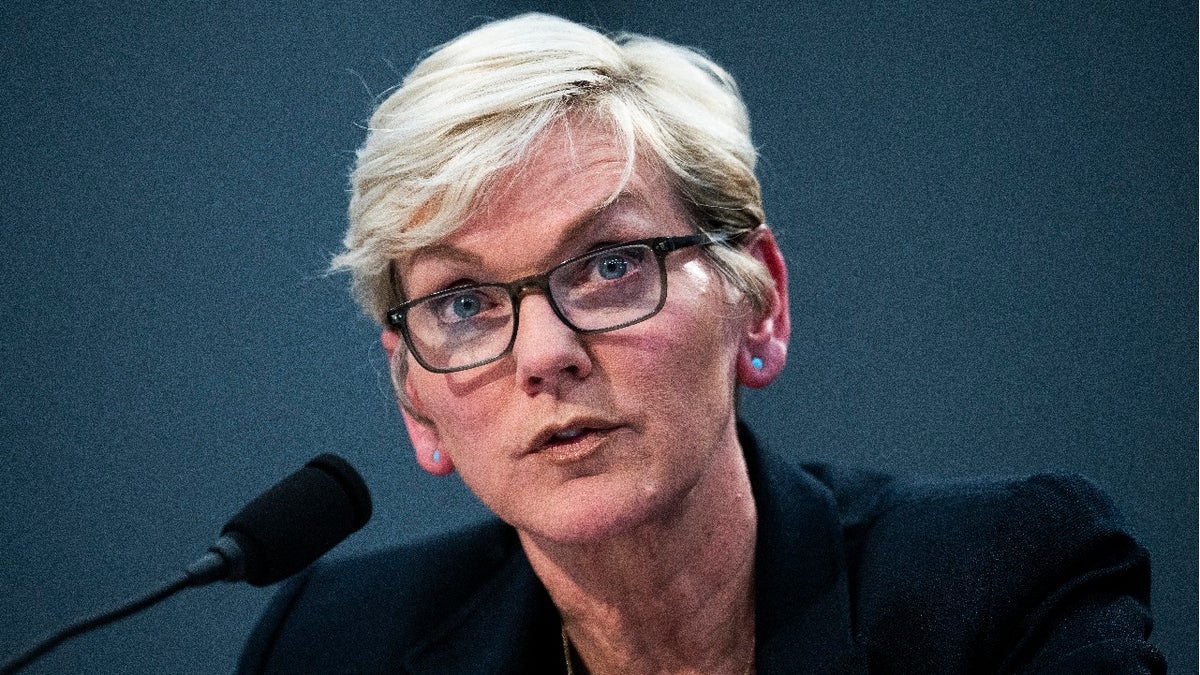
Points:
(614, 455)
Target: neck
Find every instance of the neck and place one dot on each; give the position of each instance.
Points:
(672, 595)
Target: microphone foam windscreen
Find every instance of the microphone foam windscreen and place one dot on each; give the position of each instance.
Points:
(300, 518)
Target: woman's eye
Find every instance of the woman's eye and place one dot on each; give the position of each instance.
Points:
(612, 267)
(615, 264)
(466, 306)
(462, 306)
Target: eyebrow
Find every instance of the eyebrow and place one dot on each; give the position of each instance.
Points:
(443, 250)
(594, 215)
(587, 220)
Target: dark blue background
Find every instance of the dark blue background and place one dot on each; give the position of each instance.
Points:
(989, 211)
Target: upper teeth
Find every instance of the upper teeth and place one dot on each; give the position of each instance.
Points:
(568, 433)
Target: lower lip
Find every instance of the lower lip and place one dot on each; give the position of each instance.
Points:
(575, 449)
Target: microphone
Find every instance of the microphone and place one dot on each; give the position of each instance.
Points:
(288, 527)
(277, 534)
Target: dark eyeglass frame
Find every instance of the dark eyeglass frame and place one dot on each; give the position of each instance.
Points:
(397, 317)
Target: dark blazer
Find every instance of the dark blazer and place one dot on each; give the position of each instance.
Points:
(855, 572)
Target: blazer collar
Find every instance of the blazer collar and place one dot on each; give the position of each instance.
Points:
(508, 626)
(802, 610)
(801, 592)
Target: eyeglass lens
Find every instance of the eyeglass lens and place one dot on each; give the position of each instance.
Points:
(473, 324)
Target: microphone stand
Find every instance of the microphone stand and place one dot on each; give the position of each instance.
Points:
(207, 569)
(277, 534)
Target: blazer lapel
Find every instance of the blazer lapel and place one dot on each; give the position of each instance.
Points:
(508, 626)
(803, 611)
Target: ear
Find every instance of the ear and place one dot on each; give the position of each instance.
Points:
(763, 352)
(390, 340)
(426, 440)
(428, 444)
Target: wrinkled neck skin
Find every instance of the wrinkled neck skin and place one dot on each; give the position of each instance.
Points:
(671, 595)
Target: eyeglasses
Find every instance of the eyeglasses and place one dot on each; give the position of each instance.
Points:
(605, 289)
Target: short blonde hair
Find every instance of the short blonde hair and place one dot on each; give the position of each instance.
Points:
(475, 105)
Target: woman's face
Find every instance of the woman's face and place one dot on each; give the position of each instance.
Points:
(578, 437)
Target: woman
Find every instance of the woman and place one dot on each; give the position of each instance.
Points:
(564, 240)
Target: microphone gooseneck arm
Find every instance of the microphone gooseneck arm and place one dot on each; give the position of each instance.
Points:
(89, 623)
(277, 534)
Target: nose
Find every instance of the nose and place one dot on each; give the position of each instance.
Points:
(547, 353)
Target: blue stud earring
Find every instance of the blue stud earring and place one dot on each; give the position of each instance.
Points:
(437, 456)
(757, 363)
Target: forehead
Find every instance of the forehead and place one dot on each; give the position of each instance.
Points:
(578, 177)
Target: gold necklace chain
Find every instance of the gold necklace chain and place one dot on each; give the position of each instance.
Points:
(567, 650)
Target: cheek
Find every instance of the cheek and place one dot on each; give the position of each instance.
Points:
(687, 352)
(433, 396)
(481, 419)
(700, 318)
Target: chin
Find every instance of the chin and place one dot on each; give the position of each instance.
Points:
(591, 512)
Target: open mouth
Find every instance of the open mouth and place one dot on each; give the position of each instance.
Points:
(568, 436)
(571, 444)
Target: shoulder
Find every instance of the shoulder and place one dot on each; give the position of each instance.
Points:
(1020, 572)
(925, 531)
(1049, 514)
(361, 614)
